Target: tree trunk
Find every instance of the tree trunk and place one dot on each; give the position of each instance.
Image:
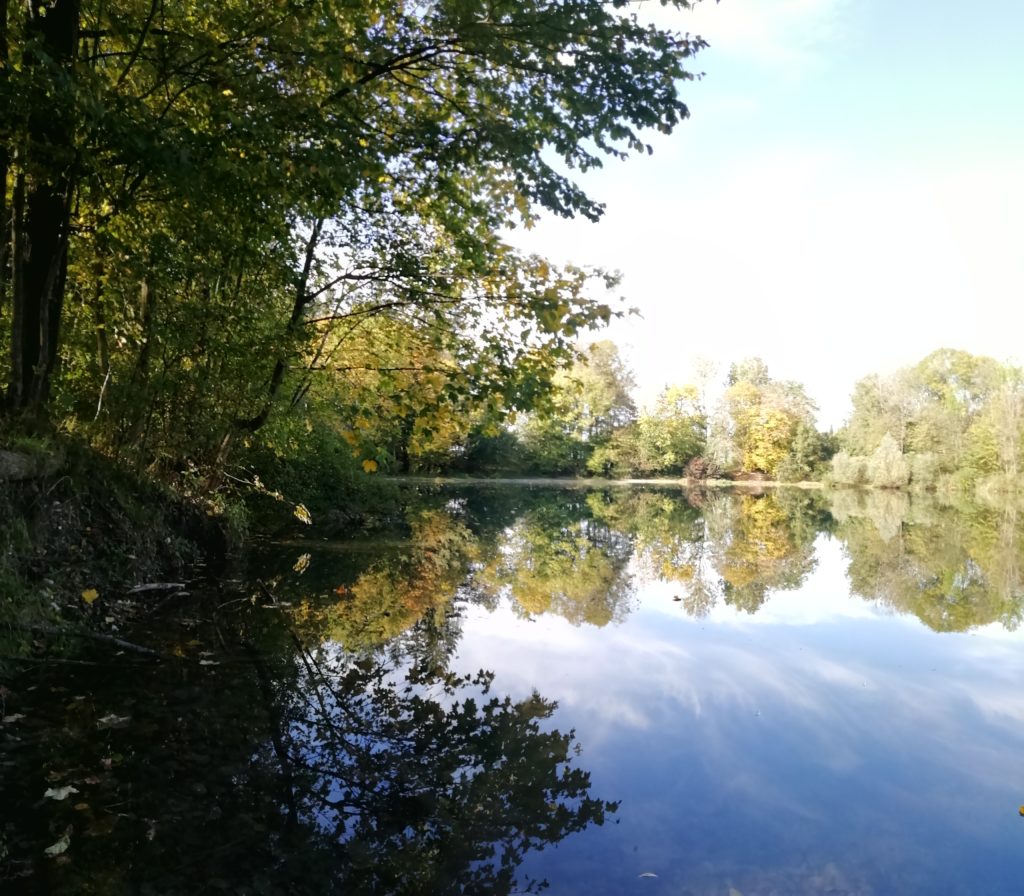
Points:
(5, 166)
(299, 304)
(41, 222)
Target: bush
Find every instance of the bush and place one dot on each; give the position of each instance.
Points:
(924, 471)
(702, 468)
(887, 467)
(849, 469)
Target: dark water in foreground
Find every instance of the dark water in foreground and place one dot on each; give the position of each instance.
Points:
(621, 691)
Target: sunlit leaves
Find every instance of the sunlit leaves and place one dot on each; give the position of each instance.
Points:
(210, 144)
(758, 419)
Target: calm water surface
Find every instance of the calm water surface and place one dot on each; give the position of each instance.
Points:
(607, 691)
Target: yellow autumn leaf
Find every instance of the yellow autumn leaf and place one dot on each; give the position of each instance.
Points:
(89, 595)
(369, 466)
(302, 514)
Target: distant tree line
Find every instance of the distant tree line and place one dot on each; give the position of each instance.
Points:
(590, 425)
(953, 421)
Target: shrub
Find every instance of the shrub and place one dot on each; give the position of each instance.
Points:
(702, 468)
(849, 469)
(924, 471)
(887, 467)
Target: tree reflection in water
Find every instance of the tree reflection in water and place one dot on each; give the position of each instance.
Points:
(283, 769)
(954, 568)
(426, 785)
(584, 554)
(318, 742)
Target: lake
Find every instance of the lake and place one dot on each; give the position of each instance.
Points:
(493, 689)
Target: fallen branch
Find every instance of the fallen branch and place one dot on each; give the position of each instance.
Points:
(157, 586)
(95, 636)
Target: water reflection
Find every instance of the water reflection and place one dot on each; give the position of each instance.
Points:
(324, 727)
(583, 555)
(954, 568)
(552, 561)
(257, 763)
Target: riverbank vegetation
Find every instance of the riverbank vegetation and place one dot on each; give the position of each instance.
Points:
(264, 245)
(953, 422)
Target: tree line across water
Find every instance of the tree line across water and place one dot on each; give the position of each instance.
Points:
(952, 421)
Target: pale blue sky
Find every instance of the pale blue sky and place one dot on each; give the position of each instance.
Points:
(847, 196)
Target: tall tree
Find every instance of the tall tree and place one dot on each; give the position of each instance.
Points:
(253, 168)
(758, 419)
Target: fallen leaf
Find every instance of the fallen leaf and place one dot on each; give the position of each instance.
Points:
(110, 720)
(60, 793)
(61, 846)
(89, 595)
(302, 514)
(302, 564)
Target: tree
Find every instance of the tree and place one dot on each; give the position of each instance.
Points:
(588, 404)
(943, 414)
(216, 183)
(994, 439)
(880, 406)
(758, 420)
(605, 400)
(887, 467)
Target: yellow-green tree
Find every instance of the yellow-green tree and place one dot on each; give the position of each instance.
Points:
(758, 421)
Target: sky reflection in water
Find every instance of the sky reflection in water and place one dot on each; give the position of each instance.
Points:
(783, 695)
(819, 745)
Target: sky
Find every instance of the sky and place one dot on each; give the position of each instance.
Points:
(846, 197)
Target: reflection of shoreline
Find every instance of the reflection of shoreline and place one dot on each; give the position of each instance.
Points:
(573, 552)
(684, 483)
(780, 749)
(953, 567)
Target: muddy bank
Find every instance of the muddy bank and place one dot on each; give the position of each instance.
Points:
(78, 539)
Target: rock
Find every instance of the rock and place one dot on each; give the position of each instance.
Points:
(15, 466)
